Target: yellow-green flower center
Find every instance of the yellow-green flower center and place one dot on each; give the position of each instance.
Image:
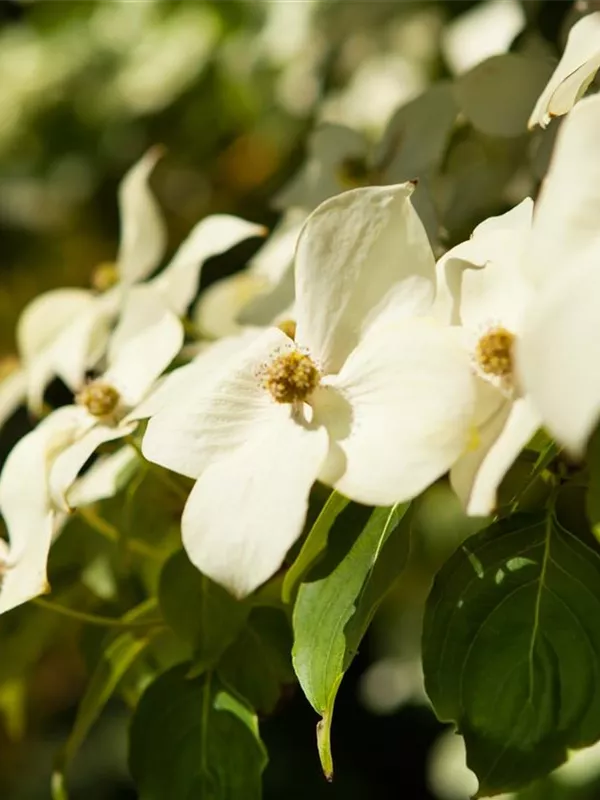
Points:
(99, 398)
(494, 353)
(292, 377)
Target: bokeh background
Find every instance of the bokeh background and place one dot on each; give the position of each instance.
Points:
(232, 90)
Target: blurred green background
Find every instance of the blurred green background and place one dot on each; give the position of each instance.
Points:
(232, 90)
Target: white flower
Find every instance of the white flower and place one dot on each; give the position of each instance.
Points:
(370, 396)
(574, 73)
(482, 286)
(559, 356)
(66, 331)
(44, 465)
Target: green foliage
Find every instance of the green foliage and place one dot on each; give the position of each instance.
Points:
(191, 738)
(336, 604)
(511, 651)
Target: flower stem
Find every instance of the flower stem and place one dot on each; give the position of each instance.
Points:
(111, 533)
(92, 619)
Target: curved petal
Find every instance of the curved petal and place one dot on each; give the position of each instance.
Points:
(143, 358)
(558, 353)
(477, 475)
(249, 505)
(143, 232)
(178, 282)
(219, 306)
(480, 281)
(104, 478)
(46, 316)
(27, 511)
(13, 390)
(356, 252)
(565, 223)
(399, 413)
(187, 436)
(69, 462)
(572, 76)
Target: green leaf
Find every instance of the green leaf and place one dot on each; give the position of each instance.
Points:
(200, 612)
(511, 649)
(191, 738)
(498, 95)
(258, 665)
(315, 543)
(593, 493)
(336, 604)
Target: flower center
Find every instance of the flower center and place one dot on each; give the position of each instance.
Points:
(494, 353)
(99, 398)
(288, 326)
(292, 377)
(105, 276)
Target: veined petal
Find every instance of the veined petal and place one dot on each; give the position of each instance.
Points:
(477, 475)
(399, 413)
(69, 462)
(249, 505)
(27, 511)
(103, 479)
(178, 282)
(480, 282)
(143, 358)
(355, 252)
(574, 73)
(558, 353)
(13, 390)
(188, 436)
(143, 232)
(565, 222)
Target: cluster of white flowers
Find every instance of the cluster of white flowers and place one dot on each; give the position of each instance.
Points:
(346, 355)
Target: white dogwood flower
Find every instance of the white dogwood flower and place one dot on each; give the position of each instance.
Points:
(559, 354)
(370, 395)
(44, 465)
(65, 332)
(573, 74)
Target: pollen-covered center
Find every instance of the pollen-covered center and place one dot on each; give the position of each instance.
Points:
(292, 377)
(100, 398)
(494, 353)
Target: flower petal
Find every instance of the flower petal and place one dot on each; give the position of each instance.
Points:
(104, 478)
(477, 475)
(249, 505)
(26, 508)
(572, 76)
(355, 252)
(225, 408)
(219, 306)
(13, 389)
(69, 462)
(46, 316)
(480, 282)
(178, 282)
(399, 413)
(143, 232)
(558, 353)
(143, 358)
(565, 223)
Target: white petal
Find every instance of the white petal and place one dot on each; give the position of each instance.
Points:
(185, 437)
(142, 306)
(572, 76)
(46, 316)
(219, 306)
(26, 508)
(565, 221)
(13, 390)
(216, 234)
(501, 437)
(104, 478)
(558, 353)
(143, 233)
(355, 252)
(480, 282)
(68, 463)
(249, 505)
(399, 413)
(142, 359)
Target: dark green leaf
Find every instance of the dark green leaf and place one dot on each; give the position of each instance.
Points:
(336, 604)
(511, 649)
(200, 612)
(258, 663)
(191, 738)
